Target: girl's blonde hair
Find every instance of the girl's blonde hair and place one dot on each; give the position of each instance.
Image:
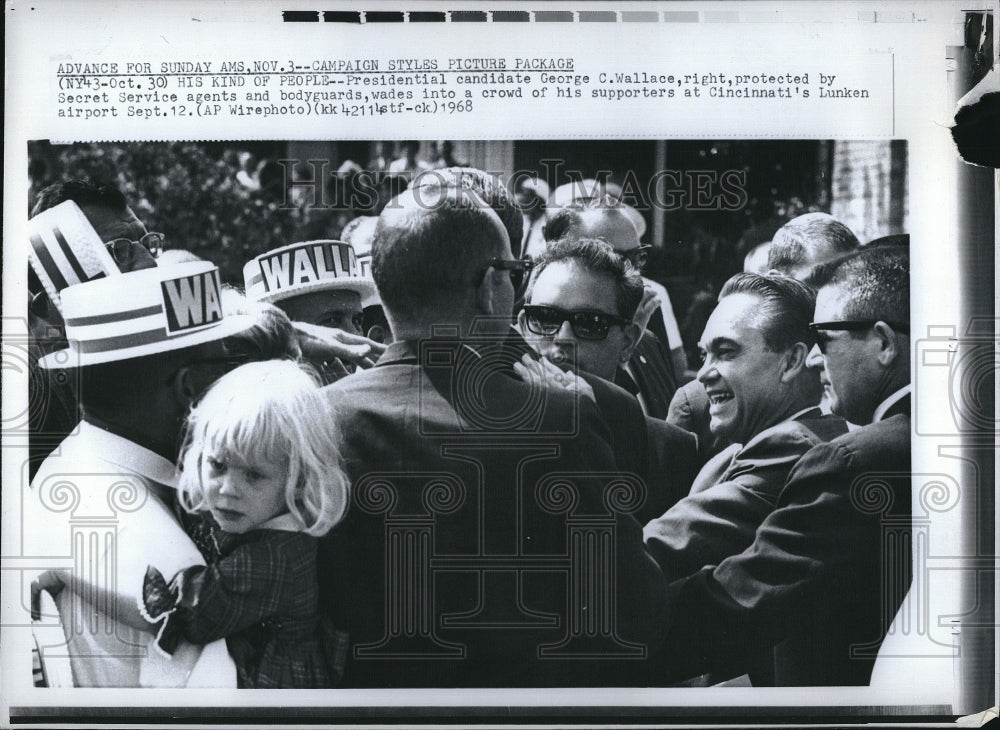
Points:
(271, 412)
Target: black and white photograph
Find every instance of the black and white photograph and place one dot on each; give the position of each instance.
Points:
(533, 428)
(551, 427)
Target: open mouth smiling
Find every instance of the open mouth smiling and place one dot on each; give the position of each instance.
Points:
(718, 397)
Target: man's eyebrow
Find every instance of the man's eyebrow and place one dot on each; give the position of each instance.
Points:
(718, 342)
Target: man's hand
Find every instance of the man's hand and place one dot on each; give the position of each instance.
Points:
(544, 374)
(649, 304)
(327, 343)
(52, 581)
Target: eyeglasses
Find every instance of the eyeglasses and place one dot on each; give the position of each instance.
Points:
(639, 256)
(517, 268)
(121, 248)
(856, 325)
(852, 325)
(586, 324)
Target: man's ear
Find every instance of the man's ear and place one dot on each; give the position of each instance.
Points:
(794, 362)
(888, 343)
(632, 336)
(187, 386)
(484, 292)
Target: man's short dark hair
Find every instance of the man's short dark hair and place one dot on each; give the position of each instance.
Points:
(488, 187)
(877, 281)
(82, 192)
(786, 311)
(597, 256)
(432, 248)
(793, 244)
(568, 217)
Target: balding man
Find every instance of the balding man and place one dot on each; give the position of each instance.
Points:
(808, 240)
(452, 565)
(816, 591)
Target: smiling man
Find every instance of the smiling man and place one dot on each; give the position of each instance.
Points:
(764, 400)
(812, 598)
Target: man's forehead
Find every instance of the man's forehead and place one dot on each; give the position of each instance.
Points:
(325, 299)
(830, 303)
(571, 282)
(110, 223)
(735, 315)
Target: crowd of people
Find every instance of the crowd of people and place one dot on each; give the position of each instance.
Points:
(459, 448)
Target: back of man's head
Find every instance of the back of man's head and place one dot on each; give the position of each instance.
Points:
(596, 217)
(786, 307)
(809, 240)
(81, 192)
(876, 282)
(431, 247)
(488, 187)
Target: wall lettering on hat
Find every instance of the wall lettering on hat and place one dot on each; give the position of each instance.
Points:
(304, 265)
(192, 301)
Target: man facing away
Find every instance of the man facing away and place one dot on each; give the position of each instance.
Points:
(454, 564)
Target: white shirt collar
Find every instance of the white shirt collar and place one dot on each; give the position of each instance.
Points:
(890, 402)
(128, 455)
(284, 521)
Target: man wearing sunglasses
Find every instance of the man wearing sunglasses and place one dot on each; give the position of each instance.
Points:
(608, 219)
(579, 307)
(579, 313)
(817, 590)
(442, 414)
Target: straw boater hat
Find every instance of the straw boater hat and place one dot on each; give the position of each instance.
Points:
(302, 268)
(143, 313)
(360, 233)
(66, 250)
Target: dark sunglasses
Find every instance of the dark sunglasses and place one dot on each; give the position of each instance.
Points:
(639, 256)
(855, 325)
(586, 324)
(518, 269)
(851, 325)
(121, 248)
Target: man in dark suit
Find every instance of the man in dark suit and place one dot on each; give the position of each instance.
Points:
(455, 565)
(664, 456)
(579, 312)
(828, 568)
(763, 399)
(798, 246)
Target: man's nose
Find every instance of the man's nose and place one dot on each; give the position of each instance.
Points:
(564, 333)
(707, 371)
(139, 259)
(815, 358)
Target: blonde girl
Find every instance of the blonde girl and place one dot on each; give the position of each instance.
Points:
(261, 472)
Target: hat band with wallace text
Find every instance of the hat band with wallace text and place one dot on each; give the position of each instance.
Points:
(303, 265)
